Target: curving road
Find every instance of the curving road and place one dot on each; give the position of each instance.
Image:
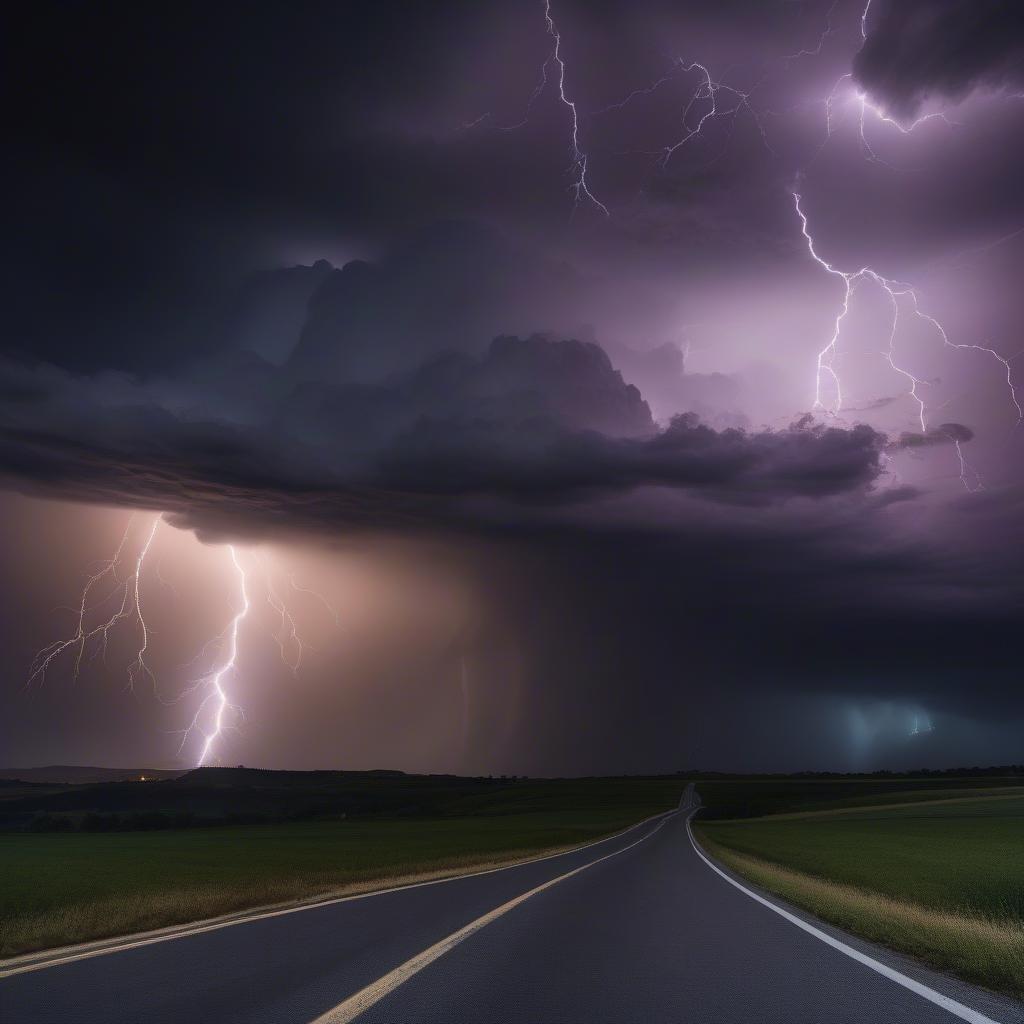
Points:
(634, 928)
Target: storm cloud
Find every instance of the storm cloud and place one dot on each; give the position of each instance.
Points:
(531, 421)
(940, 49)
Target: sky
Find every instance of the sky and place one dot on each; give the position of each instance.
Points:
(514, 388)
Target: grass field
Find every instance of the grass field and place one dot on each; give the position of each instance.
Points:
(57, 889)
(758, 796)
(940, 878)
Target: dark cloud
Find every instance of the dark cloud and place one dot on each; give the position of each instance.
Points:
(449, 287)
(529, 421)
(918, 49)
(944, 433)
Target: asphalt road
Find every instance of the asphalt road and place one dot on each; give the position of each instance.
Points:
(645, 931)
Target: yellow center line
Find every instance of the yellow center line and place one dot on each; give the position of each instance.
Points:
(359, 1003)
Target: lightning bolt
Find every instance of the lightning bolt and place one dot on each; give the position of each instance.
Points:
(130, 608)
(895, 290)
(217, 696)
(216, 712)
(287, 636)
(708, 90)
(966, 472)
(318, 596)
(865, 106)
(139, 667)
(826, 371)
(578, 168)
(579, 186)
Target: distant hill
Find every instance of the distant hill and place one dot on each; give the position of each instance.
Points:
(234, 796)
(73, 774)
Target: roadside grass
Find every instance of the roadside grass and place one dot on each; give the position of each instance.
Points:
(983, 950)
(59, 889)
(943, 881)
(957, 857)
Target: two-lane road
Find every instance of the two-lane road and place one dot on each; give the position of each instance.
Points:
(635, 928)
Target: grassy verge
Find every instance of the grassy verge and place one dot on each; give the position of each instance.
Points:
(66, 888)
(989, 952)
(942, 881)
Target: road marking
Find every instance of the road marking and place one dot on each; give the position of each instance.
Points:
(85, 951)
(947, 1004)
(359, 1003)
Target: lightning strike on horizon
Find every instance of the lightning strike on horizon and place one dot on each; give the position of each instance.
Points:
(130, 608)
(218, 695)
(210, 717)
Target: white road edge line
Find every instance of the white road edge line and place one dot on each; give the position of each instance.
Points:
(12, 967)
(359, 1003)
(945, 1002)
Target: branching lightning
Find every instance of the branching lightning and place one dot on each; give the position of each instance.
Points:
(827, 374)
(708, 90)
(287, 637)
(218, 695)
(578, 169)
(317, 596)
(217, 711)
(130, 609)
(825, 33)
(579, 186)
(895, 290)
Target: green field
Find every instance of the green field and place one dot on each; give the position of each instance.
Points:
(758, 796)
(937, 874)
(68, 887)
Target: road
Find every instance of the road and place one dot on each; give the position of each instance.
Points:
(634, 928)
